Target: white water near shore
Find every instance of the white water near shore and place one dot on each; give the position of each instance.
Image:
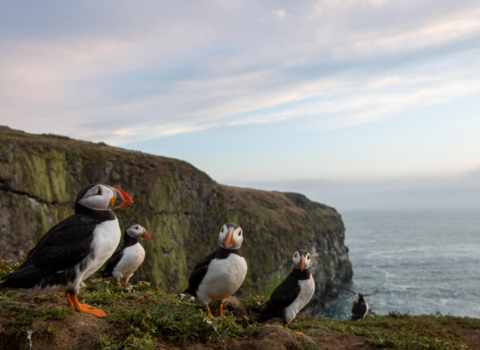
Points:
(420, 262)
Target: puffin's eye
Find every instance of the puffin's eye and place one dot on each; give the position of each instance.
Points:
(295, 254)
(239, 233)
(308, 257)
(99, 191)
(136, 228)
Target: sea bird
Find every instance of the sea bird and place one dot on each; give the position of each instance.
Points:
(126, 260)
(74, 249)
(221, 273)
(359, 306)
(292, 294)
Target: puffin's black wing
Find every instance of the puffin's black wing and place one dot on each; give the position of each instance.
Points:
(198, 273)
(358, 311)
(111, 263)
(62, 247)
(283, 296)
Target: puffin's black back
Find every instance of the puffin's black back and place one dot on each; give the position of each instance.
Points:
(60, 249)
(359, 309)
(283, 296)
(128, 241)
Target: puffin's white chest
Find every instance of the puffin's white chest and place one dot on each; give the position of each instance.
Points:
(307, 288)
(223, 278)
(132, 258)
(106, 237)
(366, 310)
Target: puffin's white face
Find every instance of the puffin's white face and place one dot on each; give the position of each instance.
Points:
(137, 231)
(99, 197)
(103, 197)
(230, 236)
(301, 259)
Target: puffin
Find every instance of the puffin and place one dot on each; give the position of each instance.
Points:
(359, 306)
(221, 273)
(292, 294)
(126, 260)
(72, 250)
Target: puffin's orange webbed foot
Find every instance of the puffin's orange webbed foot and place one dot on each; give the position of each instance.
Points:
(298, 333)
(220, 309)
(85, 308)
(208, 310)
(70, 302)
(96, 312)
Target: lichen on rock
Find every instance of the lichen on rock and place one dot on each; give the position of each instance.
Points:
(181, 206)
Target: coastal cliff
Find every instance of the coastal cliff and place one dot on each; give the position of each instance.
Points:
(181, 206)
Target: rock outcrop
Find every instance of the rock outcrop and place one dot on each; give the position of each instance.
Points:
(181, 206)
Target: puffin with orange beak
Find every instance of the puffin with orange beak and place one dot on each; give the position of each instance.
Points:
(129, 257)
(221, 273)
(292, 294)
(74, 249)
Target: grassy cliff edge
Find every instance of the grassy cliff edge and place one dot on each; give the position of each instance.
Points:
(146, 318)
(181, 206)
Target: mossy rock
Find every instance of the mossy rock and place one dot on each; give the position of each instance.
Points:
(181, 206)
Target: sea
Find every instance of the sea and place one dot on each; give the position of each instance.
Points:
(420, 262)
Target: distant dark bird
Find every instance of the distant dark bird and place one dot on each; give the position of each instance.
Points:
(126, 260)
(74, 249)
(359, 306)
(292, 294)
(220, 274)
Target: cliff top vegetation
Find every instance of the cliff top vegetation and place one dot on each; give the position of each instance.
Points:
(145, 318)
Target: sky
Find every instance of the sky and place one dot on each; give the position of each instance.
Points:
(368, 104)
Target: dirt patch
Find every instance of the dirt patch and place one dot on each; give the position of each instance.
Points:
(235, 305)
(187, 347)
(277, 338)
(471, 337)
(326, 341)
(352, 341)
(235, 344)
(6, 315)
(76, 333)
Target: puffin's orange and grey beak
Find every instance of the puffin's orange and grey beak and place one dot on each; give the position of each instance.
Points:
(228, 239)
(302, 263)
(122, 199)
(145, 235)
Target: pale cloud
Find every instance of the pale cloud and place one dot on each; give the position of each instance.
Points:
(266, 120)
(279, 13)
(376, 100)
(114, 74)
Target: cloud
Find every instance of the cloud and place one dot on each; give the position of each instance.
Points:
(145, 70)
(279, 13)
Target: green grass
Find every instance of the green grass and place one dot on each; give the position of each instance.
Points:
(399, 331)
(142, 316)
(137, 316)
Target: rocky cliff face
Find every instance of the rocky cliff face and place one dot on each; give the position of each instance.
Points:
(181, 206)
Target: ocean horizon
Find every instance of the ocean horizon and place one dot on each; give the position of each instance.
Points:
(420, 262)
